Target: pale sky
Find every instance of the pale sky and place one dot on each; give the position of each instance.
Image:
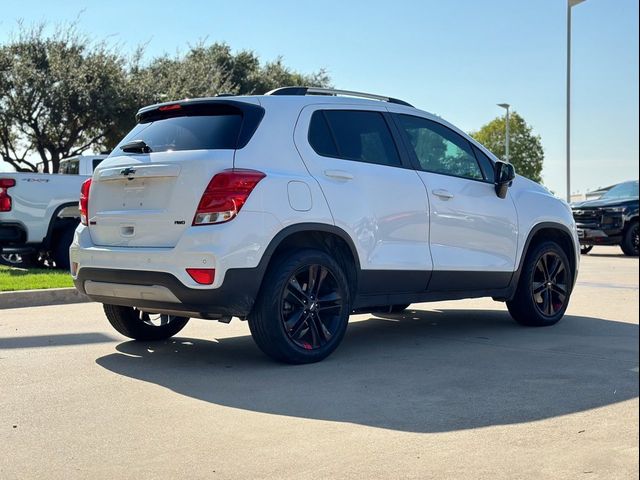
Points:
(454, 58)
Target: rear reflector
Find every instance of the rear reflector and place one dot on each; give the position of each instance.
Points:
(225, 195)
(5, 199)
(203, 276)
(84, 201)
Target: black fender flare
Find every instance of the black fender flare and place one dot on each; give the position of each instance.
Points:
(47, 241)
(527, 244)
(306, 227)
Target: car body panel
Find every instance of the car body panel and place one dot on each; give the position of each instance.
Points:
(384, 209)
(399, 234)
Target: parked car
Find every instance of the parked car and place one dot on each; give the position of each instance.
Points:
(297, 208)
(611, 219)
(39, 212)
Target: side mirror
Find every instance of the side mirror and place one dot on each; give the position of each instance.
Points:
(504, 175)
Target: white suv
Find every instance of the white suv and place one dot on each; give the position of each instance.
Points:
(297, 208)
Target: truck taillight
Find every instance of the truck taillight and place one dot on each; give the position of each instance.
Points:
(5, 199)
(84, 201)
(225, 195)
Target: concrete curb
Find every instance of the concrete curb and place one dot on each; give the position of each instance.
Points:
(38, 298)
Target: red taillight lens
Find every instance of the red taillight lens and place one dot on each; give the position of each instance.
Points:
(84, 201)
(203, 276)
(5, 199)
(225, 195)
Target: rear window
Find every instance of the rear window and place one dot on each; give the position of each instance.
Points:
(201, 132)
(69, 167)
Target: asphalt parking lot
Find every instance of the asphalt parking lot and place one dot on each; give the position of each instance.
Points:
(446, 390)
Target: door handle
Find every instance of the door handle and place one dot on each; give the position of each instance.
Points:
(338, 174)
(444, 194)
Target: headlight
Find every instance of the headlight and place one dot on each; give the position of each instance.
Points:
(614, 209)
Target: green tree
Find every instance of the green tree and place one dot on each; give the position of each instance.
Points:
(208, 70)
(60, 95)
(525, 148)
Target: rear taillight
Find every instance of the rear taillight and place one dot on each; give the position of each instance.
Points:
(84, 201)
(225, 195)
(5, 199)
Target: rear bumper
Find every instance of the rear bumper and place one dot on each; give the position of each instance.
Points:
(12, 234)
(156, 279)
(162, 292)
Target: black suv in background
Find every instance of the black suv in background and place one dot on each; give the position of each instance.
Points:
(611, 219)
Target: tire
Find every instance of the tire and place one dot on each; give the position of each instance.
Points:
(302, 310)
(60, 251)
(585, 249)
(629, 243)
(541, 296)
(133, 323)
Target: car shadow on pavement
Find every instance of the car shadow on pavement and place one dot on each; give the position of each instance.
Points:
(420, 371)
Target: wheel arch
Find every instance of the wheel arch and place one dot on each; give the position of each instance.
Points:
(549, 231)
(56, 223)
(629, 222)
(329, 238)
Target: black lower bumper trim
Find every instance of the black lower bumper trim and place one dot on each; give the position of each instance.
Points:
(235, 297)
(12, 234)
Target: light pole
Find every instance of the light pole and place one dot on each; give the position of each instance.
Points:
(570, 4)
(506, 142)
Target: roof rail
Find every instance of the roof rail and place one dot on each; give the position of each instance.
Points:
(333, 92)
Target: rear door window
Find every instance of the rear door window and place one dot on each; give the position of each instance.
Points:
(357, 135)
(320, 136)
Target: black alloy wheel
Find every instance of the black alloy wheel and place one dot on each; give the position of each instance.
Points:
(630, 241)
(311, 307)
(302, 310)
(549, 287)
(544, 287)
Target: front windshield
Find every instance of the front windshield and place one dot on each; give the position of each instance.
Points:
(624, 190)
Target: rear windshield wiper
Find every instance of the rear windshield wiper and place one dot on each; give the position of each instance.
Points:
(136, 146)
